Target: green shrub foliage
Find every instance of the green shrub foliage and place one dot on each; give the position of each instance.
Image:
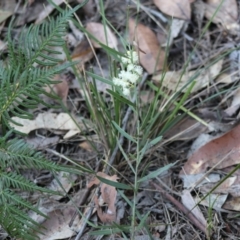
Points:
(27, 69)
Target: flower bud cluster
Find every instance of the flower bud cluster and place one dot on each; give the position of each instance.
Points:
(130, 73)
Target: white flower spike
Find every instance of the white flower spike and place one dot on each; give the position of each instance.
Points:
(130, 73)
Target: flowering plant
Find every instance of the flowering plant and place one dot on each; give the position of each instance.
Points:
(129, 74)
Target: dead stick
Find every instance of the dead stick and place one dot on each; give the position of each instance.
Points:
(181, 207)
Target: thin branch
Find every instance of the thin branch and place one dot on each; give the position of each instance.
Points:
(181, 207)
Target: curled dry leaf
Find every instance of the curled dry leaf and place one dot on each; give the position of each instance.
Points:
(151, 55)
(48, 120)
(176, 80)
(108, 196)
(56, 226)
(102, 34)
(226, 14)
(219, 153)
(175, 8)
(61, 88)
(82, 53)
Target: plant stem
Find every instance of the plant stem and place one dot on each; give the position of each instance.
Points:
(138, 160)
(124, 125)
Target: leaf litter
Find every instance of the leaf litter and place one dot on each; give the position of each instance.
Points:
(219, 153)
(62, 121)
(106, 38)
(150, 53)
(177, 81)
(107, 196)
(175, 8)
(206, 166)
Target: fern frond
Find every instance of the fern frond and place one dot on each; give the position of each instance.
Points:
(13, 199)
(37, 42)
(16, 181)
(16, 153)
(14, 223)
(31, 66)
(24, 91)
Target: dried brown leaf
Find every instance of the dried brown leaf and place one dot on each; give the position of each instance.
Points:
(175, 8)
(176, 80)
(220, 153)
(232, 204)
(86, 145)
(48, 120)
(150, 54)
(98, 31)
(108, 196)
(61, 88)
(227, 14)
(56, 226)
(82, 53)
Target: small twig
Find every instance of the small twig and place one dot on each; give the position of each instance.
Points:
(167, 187)
(82, 200)
(124, 125)
(181, 207)
(84, 224)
